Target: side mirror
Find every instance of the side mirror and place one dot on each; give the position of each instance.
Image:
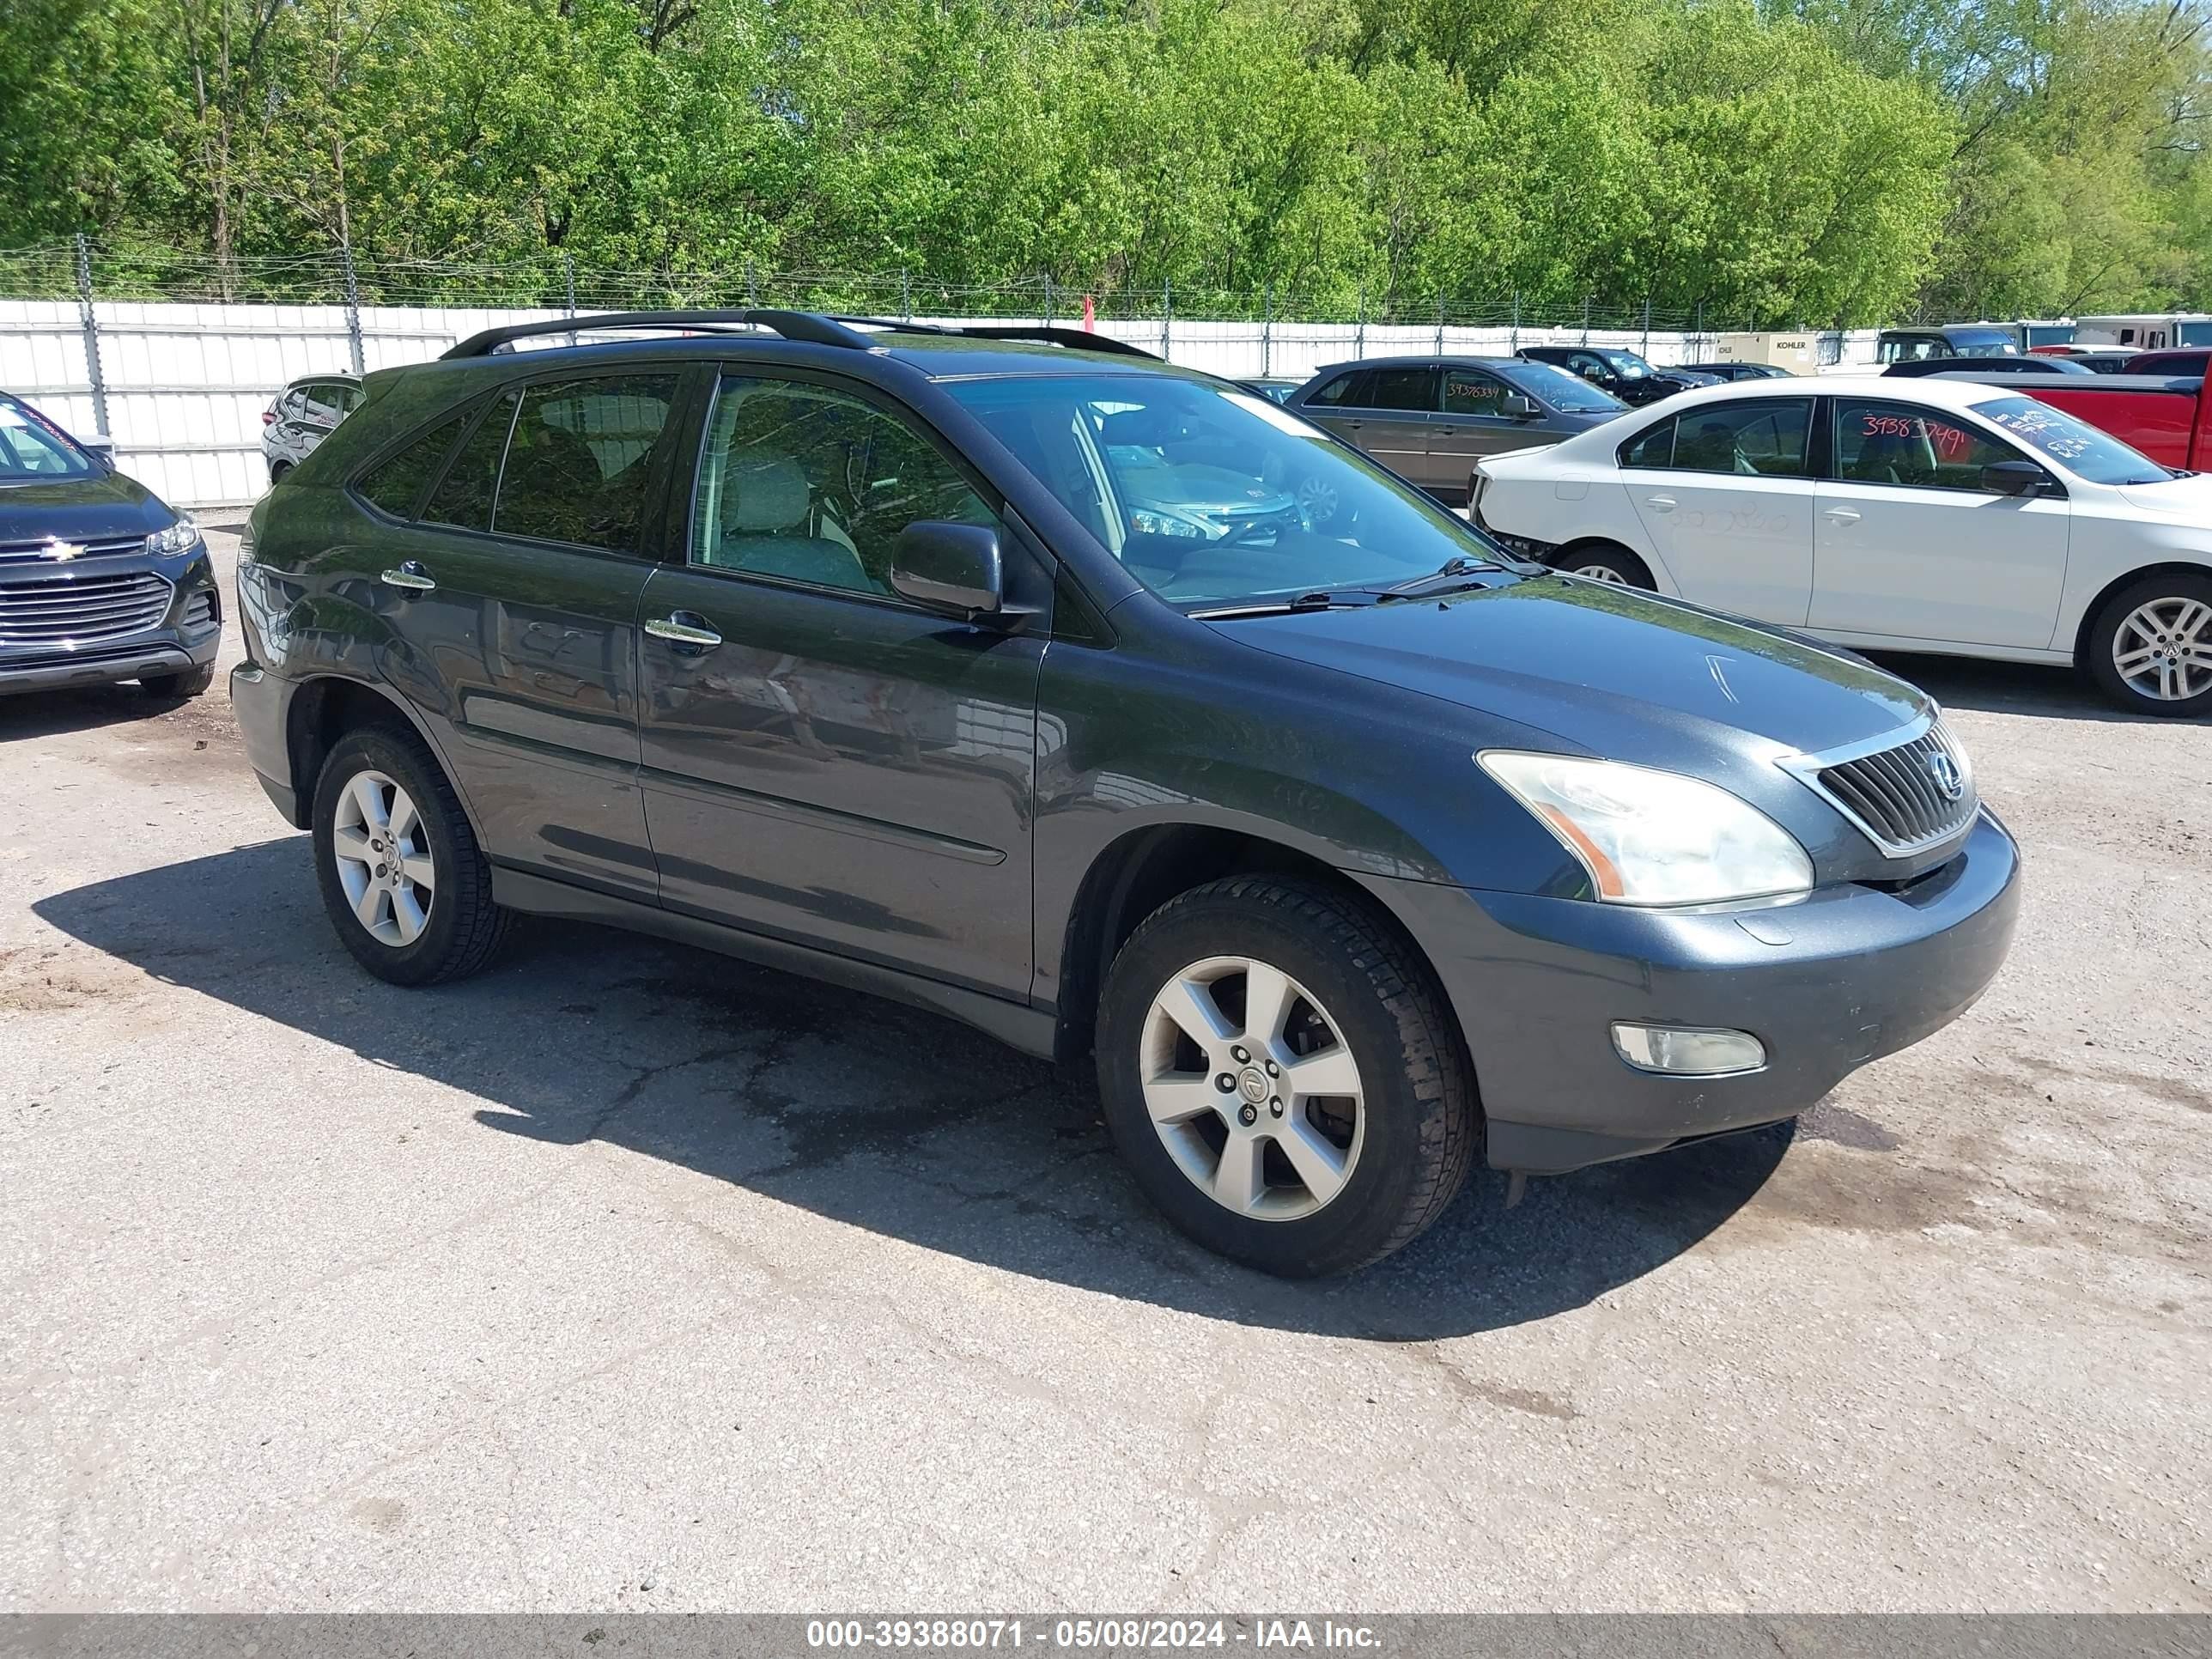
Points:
(2014, 478)
(953, 568)
(1518, 406)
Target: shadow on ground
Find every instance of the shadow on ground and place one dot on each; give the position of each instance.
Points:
(2010, 688)
(880, 1116)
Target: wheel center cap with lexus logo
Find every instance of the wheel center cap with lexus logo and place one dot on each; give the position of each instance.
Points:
(1252, 1085)
(1945, 771)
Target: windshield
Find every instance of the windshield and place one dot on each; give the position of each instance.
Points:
(1982, 343)
(1207, 494)
(2075, 444)
(1627, 364)
(31, 451)
(1570, 394)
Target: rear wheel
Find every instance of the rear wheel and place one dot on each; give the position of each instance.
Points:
(277, 471)
(402, 877)
(178, 687)
(2150, 648)
(1602, 562)
(1282, 1077)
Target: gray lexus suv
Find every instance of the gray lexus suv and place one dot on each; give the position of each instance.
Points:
(1430, 419)
(1001, 672)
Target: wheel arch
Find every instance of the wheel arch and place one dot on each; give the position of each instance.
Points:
(2092, 612)
(325, 709)
(1660, 581)
(1141, 871)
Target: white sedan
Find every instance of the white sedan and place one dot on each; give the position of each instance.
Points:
(1911, 515)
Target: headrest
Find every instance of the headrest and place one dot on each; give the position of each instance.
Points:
(762, 493)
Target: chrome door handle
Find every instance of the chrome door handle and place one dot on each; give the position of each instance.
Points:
(1841, 514)
(1664, 503)
(411, 576)
(684, 627)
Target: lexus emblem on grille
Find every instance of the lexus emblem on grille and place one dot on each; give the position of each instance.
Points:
(61, 551)
(1945, 771)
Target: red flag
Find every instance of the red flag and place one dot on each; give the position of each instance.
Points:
(1090, 316)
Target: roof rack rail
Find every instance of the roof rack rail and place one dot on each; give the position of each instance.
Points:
(803, 326)
(1075, 339)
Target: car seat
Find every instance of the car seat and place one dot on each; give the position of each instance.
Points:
(770, 525)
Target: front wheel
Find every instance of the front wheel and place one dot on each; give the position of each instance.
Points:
(2150, 648)
(403, 879)
(1285, 1080)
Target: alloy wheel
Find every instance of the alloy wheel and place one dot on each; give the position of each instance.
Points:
(2163, 649)
(1599, 573)
(1316, 498)
(382, 850)
(1252, 1088)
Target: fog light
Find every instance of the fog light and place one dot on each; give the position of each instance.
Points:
(1686, 1051)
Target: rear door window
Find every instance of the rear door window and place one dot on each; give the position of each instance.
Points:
(1412, 390)
(1764, 437)
(580, 460)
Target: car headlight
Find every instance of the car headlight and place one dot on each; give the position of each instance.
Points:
(1652, 837)
(1149, 521)
(177, 538)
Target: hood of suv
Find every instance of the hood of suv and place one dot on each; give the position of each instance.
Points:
(101, 508)
(1626, 674)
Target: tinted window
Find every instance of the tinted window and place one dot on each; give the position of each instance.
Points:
(1654, 447)
(397, 484)
(1470, 392)
(1894, 444)
(1403, 388)
(325, 405)
(31, 450)
(1764, 436)
(1335, 391)
(2075, 444)
(463, 497)
(1211, 495)
(813, 485)
(578, 464)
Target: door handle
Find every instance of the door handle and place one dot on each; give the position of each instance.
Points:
(1664, 503)
(1841, 514)
(411, 576)
(685, 630)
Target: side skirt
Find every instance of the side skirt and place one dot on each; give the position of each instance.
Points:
(1030, 1030)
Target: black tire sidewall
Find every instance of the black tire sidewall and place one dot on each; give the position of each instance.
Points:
(1359, 1222)
(1630, 568)
(426, 958)
(2107, 625)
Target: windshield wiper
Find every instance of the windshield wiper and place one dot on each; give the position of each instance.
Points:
(1444, 578)
(1320, 599)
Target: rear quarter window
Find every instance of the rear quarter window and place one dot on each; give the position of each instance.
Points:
(395, 484)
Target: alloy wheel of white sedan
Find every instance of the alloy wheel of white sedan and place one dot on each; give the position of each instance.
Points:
(1252, 1088)
(1599, 573)
(382, 850)
(2163, 649)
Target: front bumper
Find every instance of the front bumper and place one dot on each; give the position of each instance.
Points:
(1850, 974)
(156, 651)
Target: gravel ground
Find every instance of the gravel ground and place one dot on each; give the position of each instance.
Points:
(628, 1277)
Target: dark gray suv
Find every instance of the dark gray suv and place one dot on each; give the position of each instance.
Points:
(943, 664)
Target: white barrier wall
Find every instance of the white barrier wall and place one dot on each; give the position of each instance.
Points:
(186, 384)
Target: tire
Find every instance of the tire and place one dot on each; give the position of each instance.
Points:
(457, 927)
(1397, 1151)
(179, 687)
(277, 471)
(2164, 624)
(1605, 562)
